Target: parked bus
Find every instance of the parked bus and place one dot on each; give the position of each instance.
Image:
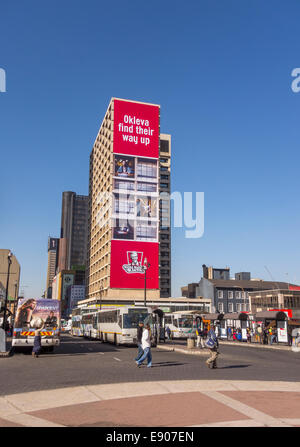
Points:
(34, 314)
(116, 325)
(181, 323)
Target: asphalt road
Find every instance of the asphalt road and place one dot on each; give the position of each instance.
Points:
(79, 361)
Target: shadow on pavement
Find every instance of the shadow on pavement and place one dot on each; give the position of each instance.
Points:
(233, 366)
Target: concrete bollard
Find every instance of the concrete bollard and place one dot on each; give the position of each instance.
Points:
(190, 343)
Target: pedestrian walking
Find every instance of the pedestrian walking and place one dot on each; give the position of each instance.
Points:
(146, 345)
(168, 331)
(139, 340)
(37, 343)
(212, 344)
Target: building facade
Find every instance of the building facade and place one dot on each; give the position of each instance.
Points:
(74, 231)
(127, 174)
(165, 216)
(52, 264)
(231, 294)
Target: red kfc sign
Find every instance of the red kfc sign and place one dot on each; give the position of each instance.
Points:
(136, 129)
(127, 261)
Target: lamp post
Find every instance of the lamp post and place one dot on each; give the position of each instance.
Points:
(101, 292)
(145, 267)
(16, 299)
(9, 256)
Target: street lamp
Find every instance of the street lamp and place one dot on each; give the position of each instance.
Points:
(9, 260)
(16, 299)
(145, 267)
(101, 292)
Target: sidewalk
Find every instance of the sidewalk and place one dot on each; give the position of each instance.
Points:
(187, 403)
(173, 346)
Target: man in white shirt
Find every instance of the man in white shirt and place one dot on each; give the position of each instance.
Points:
(146, 346)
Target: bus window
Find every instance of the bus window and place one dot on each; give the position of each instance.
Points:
(186, 322)
(133, 317)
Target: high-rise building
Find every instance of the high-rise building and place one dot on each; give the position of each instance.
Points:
(165, 216)
(127, 174)
(52, 264)
(74, 232)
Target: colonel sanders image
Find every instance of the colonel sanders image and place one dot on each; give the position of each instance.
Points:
(134, 258)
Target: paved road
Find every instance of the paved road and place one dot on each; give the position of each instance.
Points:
(86, 362)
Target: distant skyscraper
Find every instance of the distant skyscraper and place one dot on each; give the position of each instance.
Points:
(74, 230)
(52, 263)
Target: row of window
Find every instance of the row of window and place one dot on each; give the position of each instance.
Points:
(232, 294)
(239, 307)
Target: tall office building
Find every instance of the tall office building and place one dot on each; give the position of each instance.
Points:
(165, 216)
(74, 232)
(124, 187)
(52, 263)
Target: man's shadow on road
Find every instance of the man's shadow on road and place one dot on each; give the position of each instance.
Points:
(233, 366)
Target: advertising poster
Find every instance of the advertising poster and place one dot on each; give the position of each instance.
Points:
(135, 214)
(127, 259)
(124, 167)
(35, 313)
(136, 129)
(123, 229)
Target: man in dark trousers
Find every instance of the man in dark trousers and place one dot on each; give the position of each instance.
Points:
(139, 340)
(212, 344)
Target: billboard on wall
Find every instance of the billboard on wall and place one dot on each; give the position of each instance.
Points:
(136, 129)
(135, 220)
(126, 268)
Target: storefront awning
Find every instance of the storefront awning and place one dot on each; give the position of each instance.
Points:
(236, 316)
(213, 316)
(270, 315)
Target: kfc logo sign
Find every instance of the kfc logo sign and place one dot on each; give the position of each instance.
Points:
(134, 262)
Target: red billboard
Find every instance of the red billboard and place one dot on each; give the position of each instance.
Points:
(127, 260)
(136, 129)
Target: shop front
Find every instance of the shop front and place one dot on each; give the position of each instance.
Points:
(238, 321)
(276, 319)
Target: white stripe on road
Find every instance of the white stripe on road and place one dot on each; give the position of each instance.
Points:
(117, 359)
(252, 413)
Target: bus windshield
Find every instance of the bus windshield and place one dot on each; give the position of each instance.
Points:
(133, 317)
(186, 321)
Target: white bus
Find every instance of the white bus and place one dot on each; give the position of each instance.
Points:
(181, 323)
(118, 325)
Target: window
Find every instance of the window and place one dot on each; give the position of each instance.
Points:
(164, 146)
(220, 293)
(145, 232)
(238, 307)
(164, 185)
(147, 187)
(146, 168)
(230, 295)
(220, 307)
(238, 294)
(230, 307)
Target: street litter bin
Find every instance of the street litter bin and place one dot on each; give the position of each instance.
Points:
(190, 343)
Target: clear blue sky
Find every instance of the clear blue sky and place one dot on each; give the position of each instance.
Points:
(221, 71)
